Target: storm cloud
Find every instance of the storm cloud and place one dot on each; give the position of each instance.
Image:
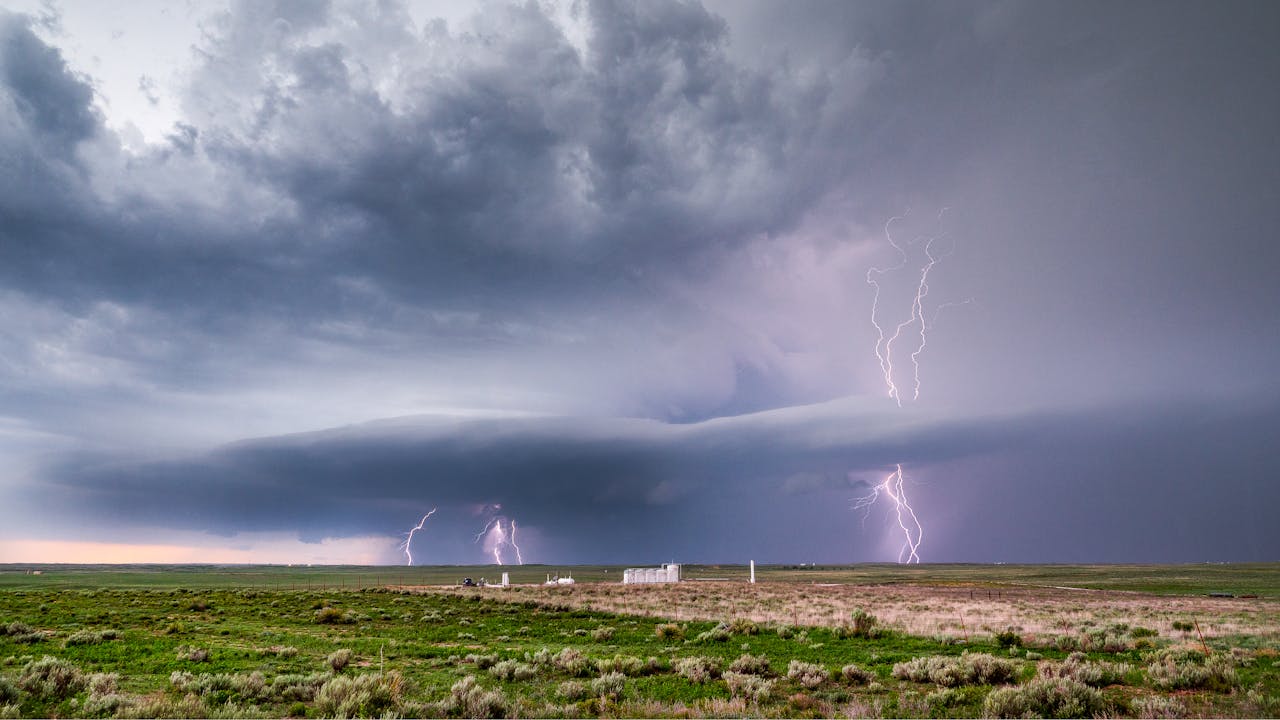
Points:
(604, 264)
(590, 489)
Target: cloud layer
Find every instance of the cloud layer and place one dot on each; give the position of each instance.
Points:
(567, 239)
(588, 490)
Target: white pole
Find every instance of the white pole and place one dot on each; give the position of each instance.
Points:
(753, 571)
(506, 580)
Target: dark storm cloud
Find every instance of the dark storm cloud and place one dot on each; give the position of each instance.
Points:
(567, 479)
(486, 184)
(659, 210)
(505, 164)
(44, 112)
(53, 104)
(549, 469)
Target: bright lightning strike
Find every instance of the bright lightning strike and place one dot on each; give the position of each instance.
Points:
(409, 540)
(483, 532)
(916, 318)
(519, 557)
(918, 323)
(886, 365)
(495, 538)
(499, 539)
(893, 488)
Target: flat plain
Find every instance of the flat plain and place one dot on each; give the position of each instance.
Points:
(804, 641)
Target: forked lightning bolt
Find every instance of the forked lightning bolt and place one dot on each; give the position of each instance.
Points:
(886, 365)
(495, 538)
(916, 318)
(893, 486)
(409, 540)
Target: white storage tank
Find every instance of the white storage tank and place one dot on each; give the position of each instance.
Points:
(668, 573)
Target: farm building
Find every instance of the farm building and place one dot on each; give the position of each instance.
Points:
(668, 573)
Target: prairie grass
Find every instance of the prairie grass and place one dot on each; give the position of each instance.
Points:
(783, 651)
(1066, 619)
(1045, 697)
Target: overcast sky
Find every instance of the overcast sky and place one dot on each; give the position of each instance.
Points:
(278, 278)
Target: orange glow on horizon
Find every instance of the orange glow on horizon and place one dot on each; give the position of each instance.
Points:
(263, 549)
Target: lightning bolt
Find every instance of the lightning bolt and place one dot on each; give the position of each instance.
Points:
(917, 316)
(886, 363)
(494, 525)
(496, 538)
(499, 540)
(486, 529)
(893, 486)
(409, 540)
(938, 311)
(519, 558)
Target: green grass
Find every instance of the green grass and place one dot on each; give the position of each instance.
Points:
(1261, 579)
(265, 620)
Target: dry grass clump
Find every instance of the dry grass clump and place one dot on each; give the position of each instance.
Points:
(9, 693)
(609, 685)
(21, 632)
(572, 690)
(338, 659)
(15, 629)
(668, 631)
(513, 670)
(571, 662)
(939, 700)
(748, 664)
(628, 665)
(1108, 642)
(103, 705)
(188, 706)
(719, 633)
(1158, 706)
(748, 686)
(90, 637)
(252, 686)
(468, 699)
(332, 616)
(482, 660)
(1044, 697)
(857, 675)
(968, 669)
(192, 654)
(1079, 668)
(809, 675)
(864, 623)
(697, 669)
(360, 695)
(1176, 669)
(296, 688)
(51, 679)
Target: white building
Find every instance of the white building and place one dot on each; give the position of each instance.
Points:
(668, 573)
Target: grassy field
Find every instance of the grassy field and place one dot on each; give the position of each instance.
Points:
(149, 641)
(1261, 579)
